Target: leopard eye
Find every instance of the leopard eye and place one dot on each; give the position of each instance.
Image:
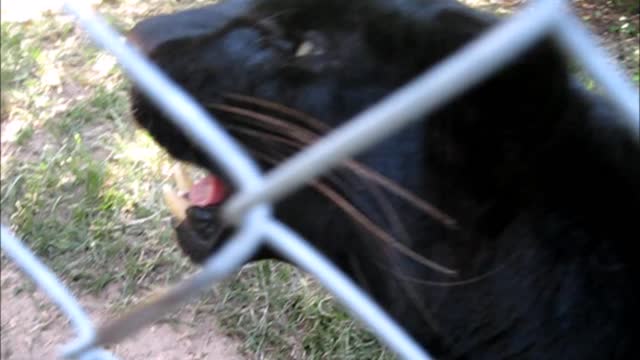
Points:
(313, 43)
(305, 48)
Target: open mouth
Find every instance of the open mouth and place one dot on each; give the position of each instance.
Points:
(194, 207)
(208, 191)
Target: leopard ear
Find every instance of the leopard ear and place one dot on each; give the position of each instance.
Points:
(424, 32)
(151, 33)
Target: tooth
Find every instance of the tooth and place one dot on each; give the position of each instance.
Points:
(183, 181)
(177, 205)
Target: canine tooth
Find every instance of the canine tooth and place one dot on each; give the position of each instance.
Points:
(177, 205)
(183, 180)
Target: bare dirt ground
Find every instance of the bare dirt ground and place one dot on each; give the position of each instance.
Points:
(32, 328)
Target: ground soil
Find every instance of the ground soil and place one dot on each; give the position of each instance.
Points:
(32, 328)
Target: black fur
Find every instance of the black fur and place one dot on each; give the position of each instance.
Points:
(542, 180)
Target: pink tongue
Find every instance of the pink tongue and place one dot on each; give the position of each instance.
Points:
(208, 191)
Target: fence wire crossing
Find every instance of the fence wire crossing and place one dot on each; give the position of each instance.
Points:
(250, 208)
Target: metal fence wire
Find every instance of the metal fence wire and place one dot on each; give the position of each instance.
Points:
(250, 208)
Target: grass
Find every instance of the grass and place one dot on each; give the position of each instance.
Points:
(80, 185)
(279, 310)
(77, 178)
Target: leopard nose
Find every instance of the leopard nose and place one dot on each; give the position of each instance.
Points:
(154, 31)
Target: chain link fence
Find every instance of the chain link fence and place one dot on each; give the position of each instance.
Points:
(250, 208)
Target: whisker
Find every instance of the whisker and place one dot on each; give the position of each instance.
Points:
(296, 131)
(285, 110)
(471, 280)
(256, 133)
(346, 206)
(308, 137)
(355, 214)
(380, 233)
(403, 193)
(405, 286)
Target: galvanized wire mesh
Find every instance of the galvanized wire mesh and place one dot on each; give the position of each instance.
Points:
(250, 208)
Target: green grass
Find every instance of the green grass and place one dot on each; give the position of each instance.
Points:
(24, 135)
(72, 187)
(18, 62)
(279, 310)
(79, 211)
(104, 105)
(18, 58)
